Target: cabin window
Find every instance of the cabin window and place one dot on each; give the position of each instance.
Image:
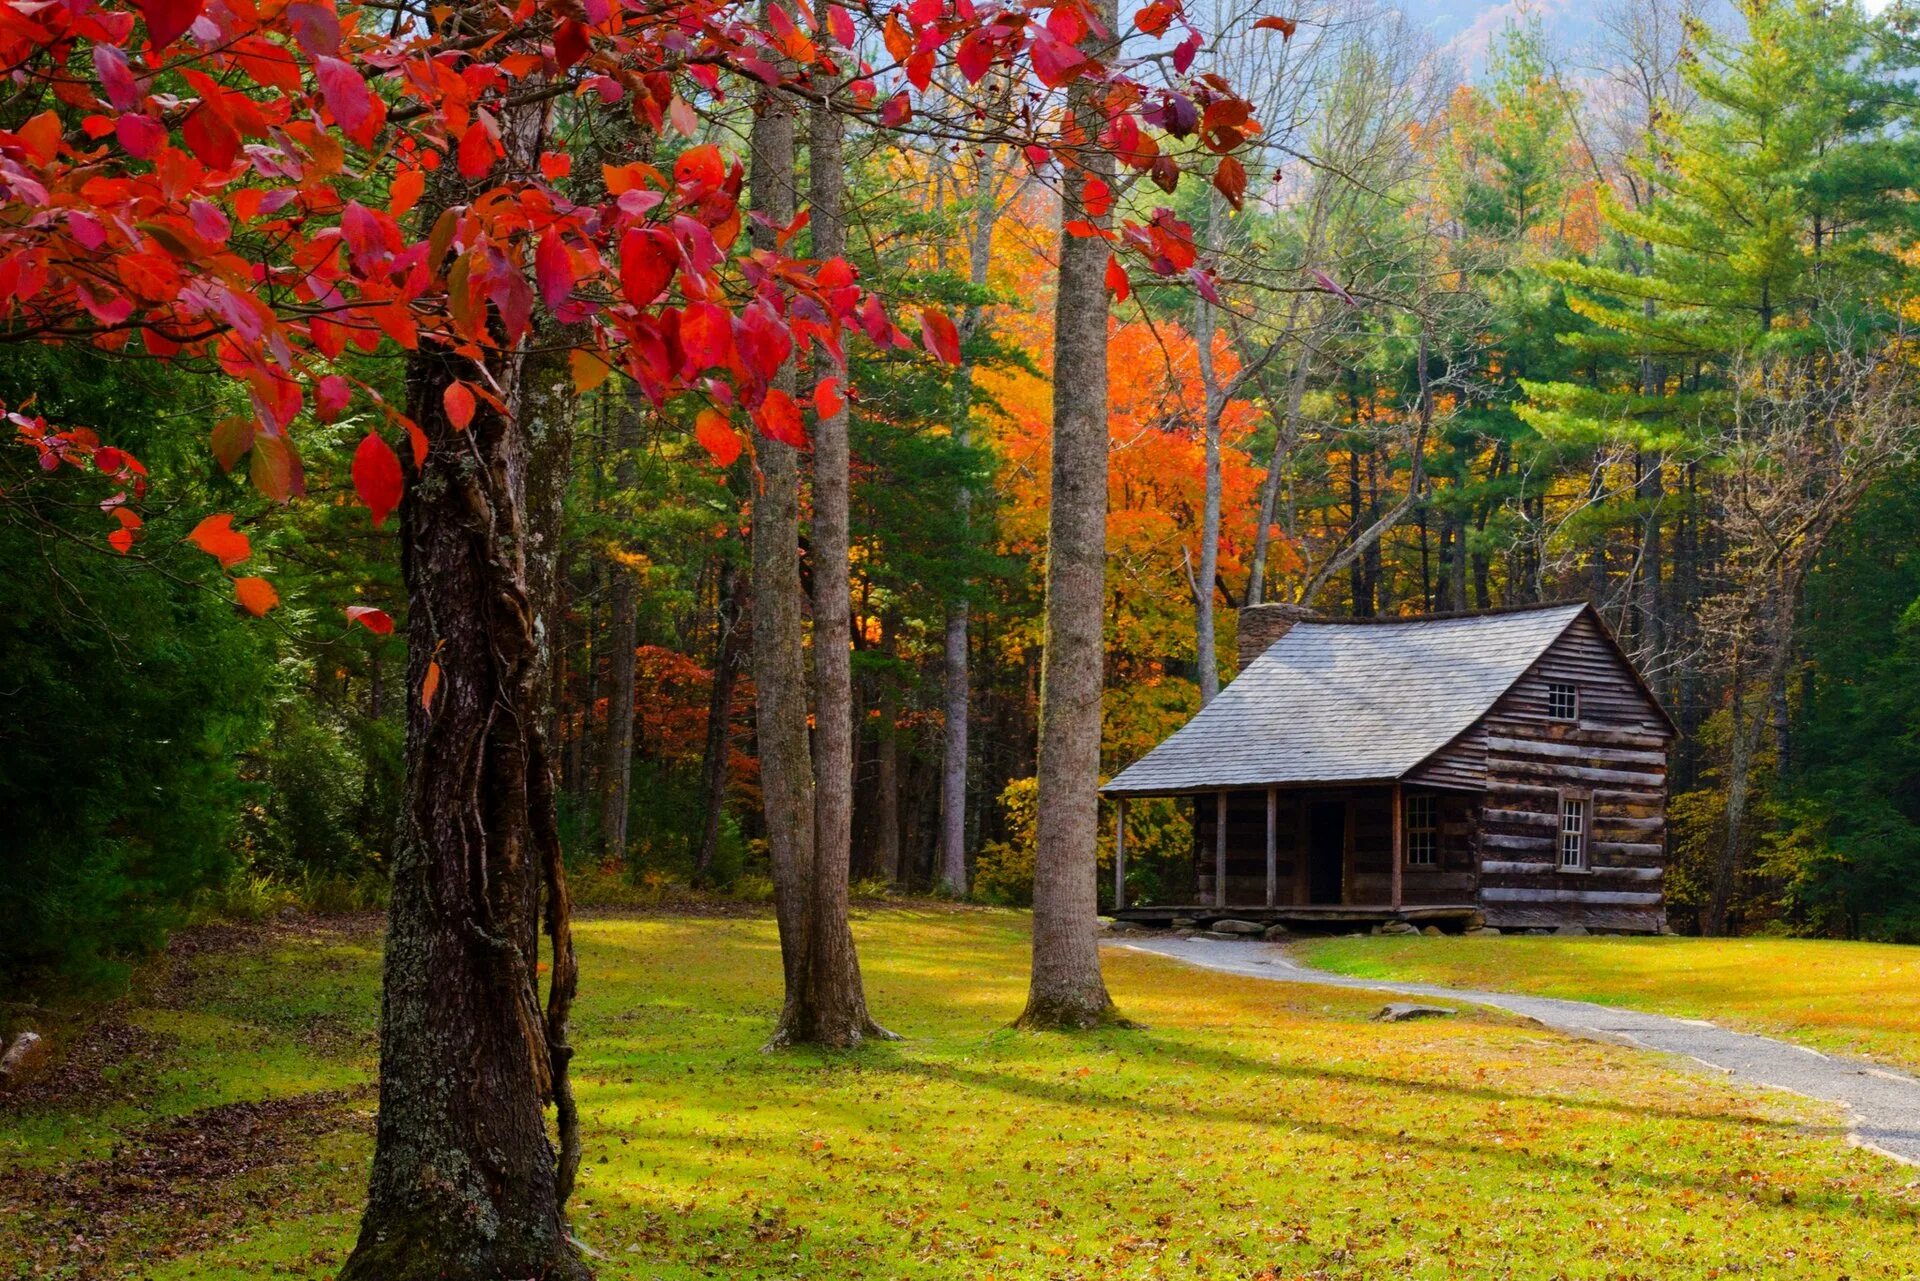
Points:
(1423, 846)
(1563, 701)
(1573, 834)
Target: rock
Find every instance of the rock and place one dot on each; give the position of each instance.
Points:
(24, 1060)
(1273, 932)
(1400, 1012)
(1431, 931)
(1399, 927)
(1571, 931)
(1223, 936)
(1482, 931)
(1236, 927)
(1184, 923)
(1186, 934)
(1477, 921)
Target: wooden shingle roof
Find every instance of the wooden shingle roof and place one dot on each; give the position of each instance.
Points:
(1348, 701)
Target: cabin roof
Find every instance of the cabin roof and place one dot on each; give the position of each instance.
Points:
(1347, 701)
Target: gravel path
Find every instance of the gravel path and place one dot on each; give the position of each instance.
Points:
(1883, 1106)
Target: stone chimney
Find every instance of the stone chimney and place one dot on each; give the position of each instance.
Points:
(1262, 625)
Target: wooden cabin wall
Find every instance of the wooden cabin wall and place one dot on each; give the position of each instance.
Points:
(1450, 880)
(1616, 753)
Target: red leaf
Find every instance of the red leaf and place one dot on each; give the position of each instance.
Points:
(1054, 60)
(477, 151)
(897, 110)
(256, 595)
(166, 19)
(700, 166)
(1230, 177)
(717, 436)
(1096, 198)
(232, 437)
(330, 396)
(431, 685)
(706, 335)
(272, 468)
(570, 43)
(1117, 283)
(1153, 18)
(827, 400)
(376, 476)
(211, 137)
(645, 267)
(553, 268)
(346, 94)
(779, 419)
(458, 400)
(1285, 26)
(374, 620)
(938, 333)
(840, 24)
(405, 193)
(121, 540)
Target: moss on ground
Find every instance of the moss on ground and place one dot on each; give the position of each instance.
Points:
(1249, 1130)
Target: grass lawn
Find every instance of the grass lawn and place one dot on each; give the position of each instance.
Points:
(1253, 1130)
(1847, 998)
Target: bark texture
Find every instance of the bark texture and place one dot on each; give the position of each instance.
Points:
(955, 700)
(827, 1005)
(779, 661)
(616, 767)
(731, 607)
(1066, 990)
(465, 1183)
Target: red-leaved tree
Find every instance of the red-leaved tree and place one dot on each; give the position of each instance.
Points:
(268, 187)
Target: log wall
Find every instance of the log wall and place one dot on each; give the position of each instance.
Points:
(1614, 756)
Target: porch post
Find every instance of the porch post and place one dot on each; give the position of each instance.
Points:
(1399, 843)
(1119, 853)
(1220, 849)
(1273, 845)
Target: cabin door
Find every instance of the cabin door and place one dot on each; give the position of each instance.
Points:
(1326, 850)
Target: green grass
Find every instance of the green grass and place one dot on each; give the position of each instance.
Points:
(1251, 1130)
(1847, 998)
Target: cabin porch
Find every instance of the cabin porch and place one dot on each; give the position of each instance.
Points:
(1367, 853)
(1307, 917)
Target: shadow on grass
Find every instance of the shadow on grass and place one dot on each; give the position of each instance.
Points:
(1042, 1091)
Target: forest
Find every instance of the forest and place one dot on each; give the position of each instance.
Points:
(473, 461)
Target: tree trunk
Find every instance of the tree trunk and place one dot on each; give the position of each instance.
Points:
(1066, 990)
(830, 1007)
(730, 608)
(887, 809)
(779, 662)
(950, 844)
(465, 1183)
(955, 698)
(1749, 727)
(616, 766)
(1205, 652)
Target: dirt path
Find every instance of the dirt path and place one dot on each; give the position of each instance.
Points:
(1883, 1106)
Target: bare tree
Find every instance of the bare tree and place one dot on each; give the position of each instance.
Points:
(1803, 443)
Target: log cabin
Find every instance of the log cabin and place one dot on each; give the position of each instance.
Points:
(1505, 765)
